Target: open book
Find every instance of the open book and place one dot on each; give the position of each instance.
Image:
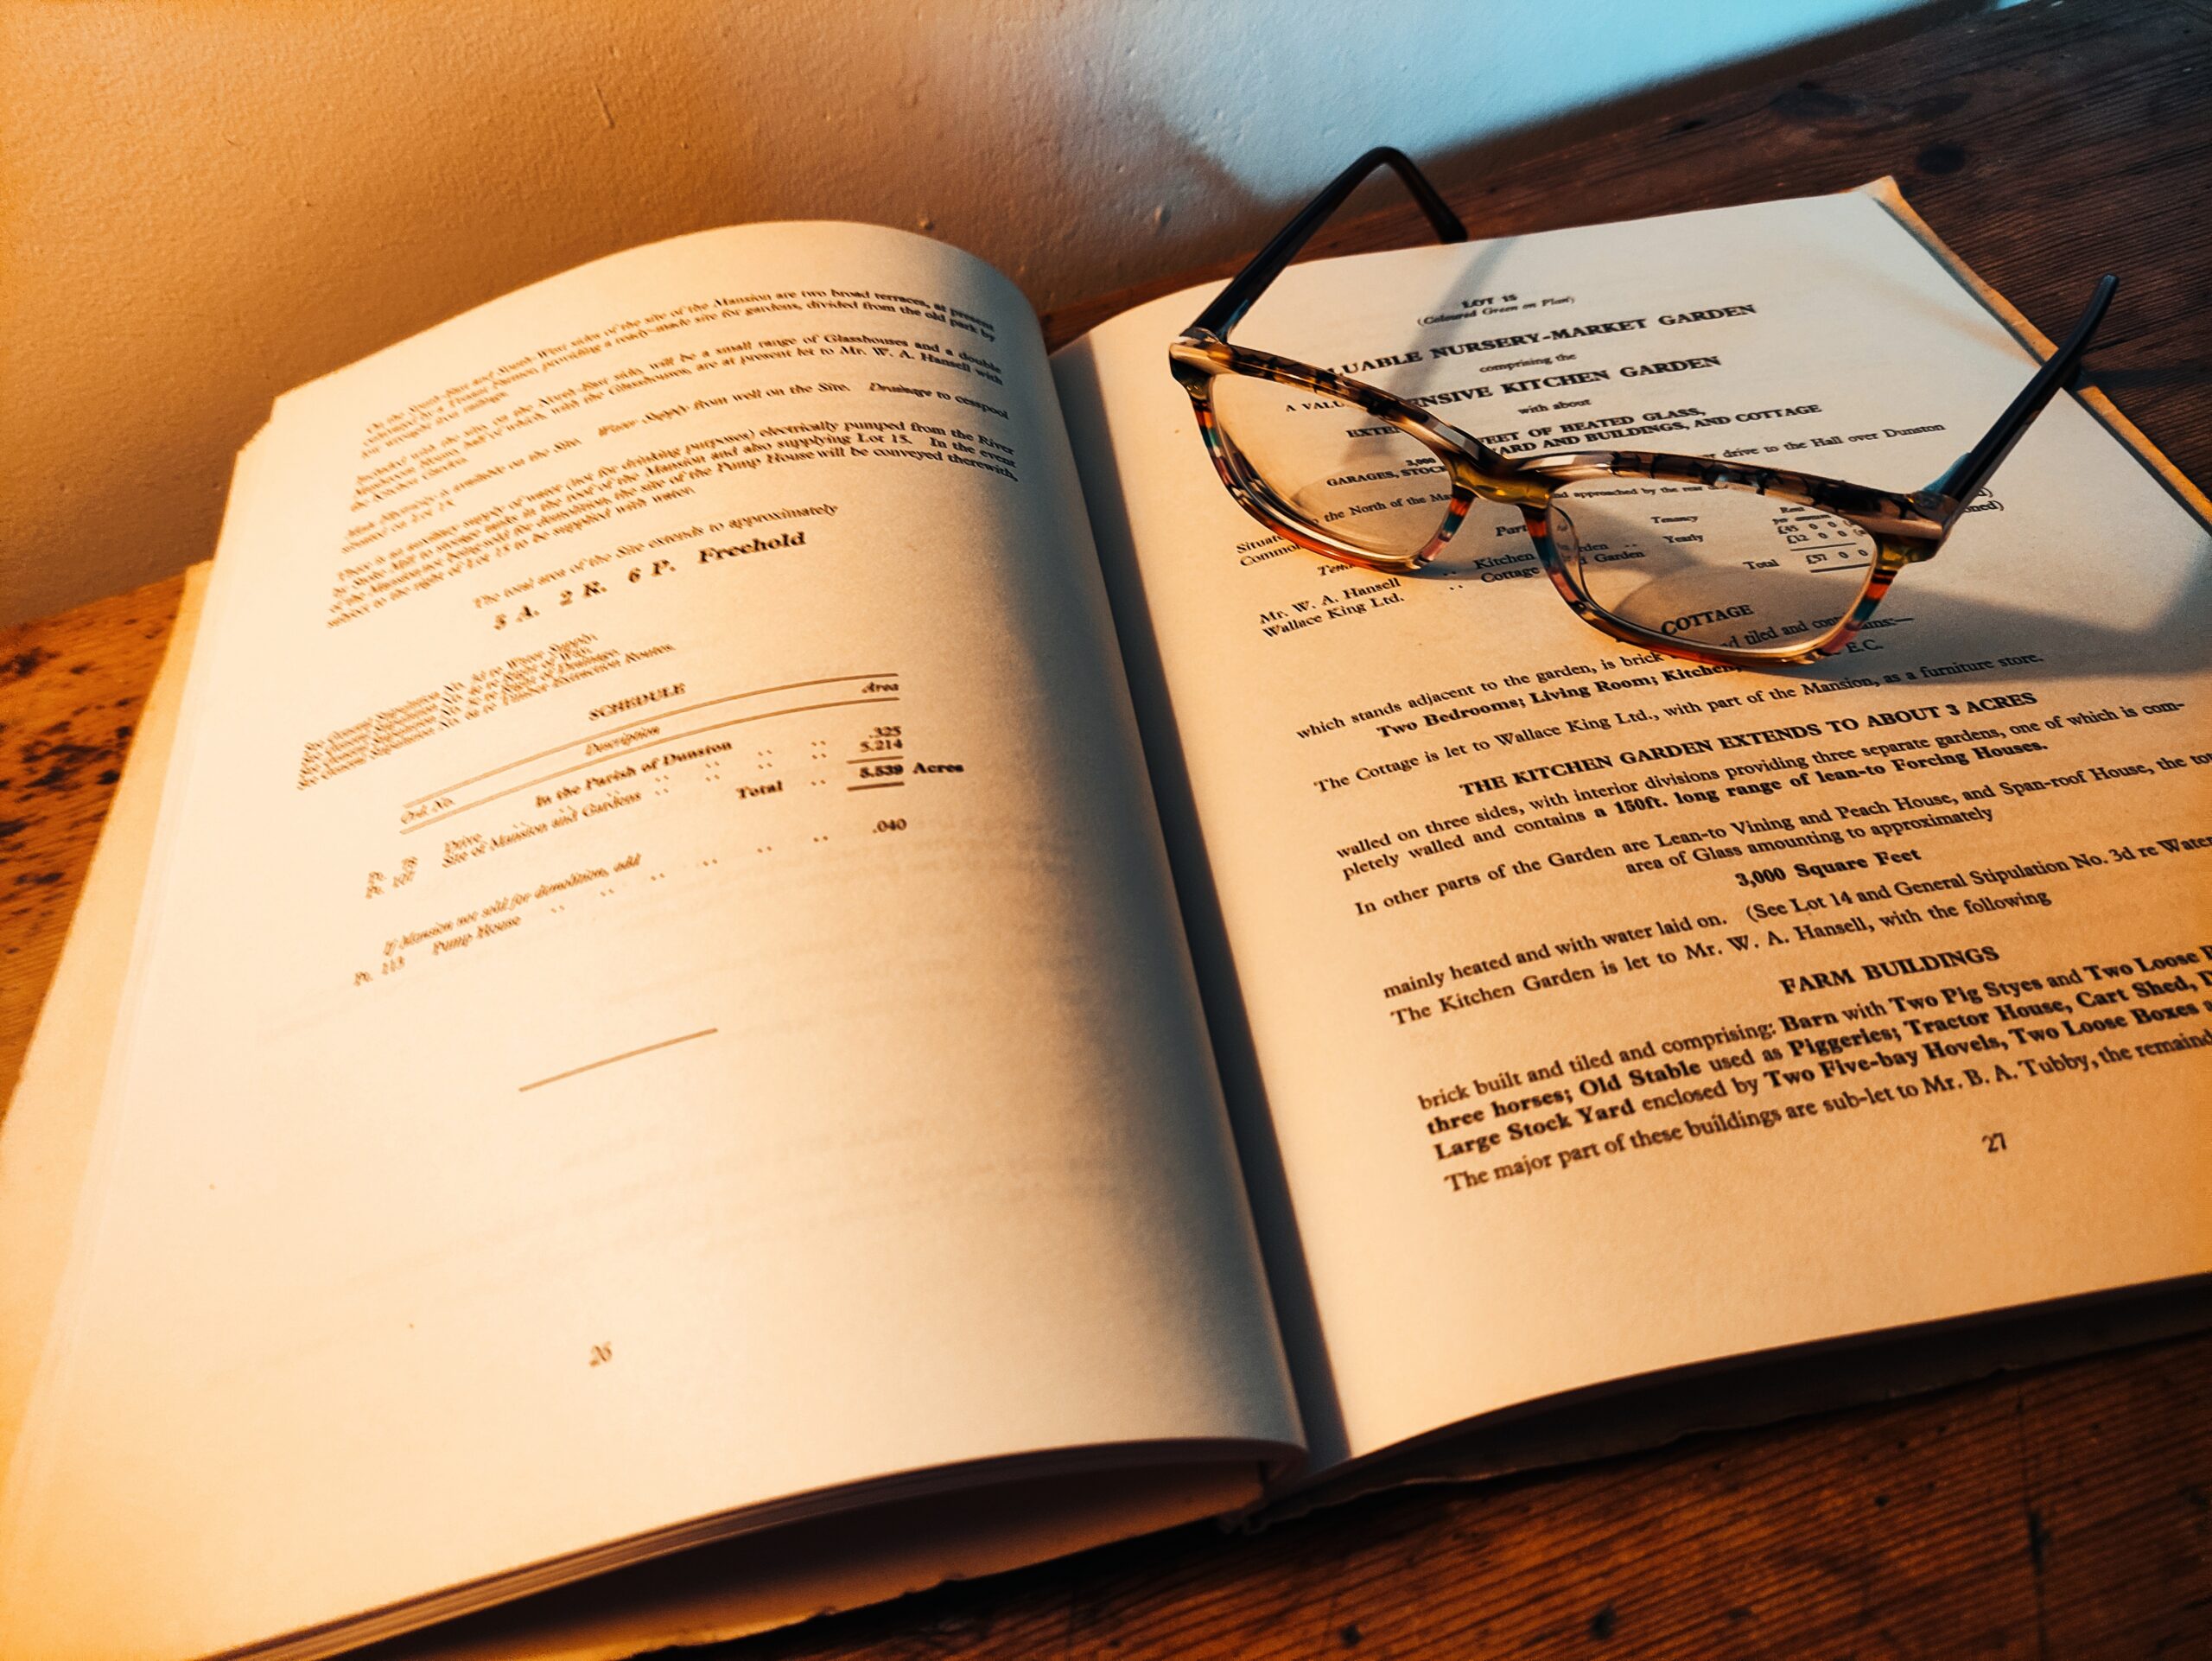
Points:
(669, 1064)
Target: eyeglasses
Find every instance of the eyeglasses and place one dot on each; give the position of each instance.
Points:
(1717, 561)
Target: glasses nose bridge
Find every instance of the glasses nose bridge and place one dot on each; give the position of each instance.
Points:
(1508, 488)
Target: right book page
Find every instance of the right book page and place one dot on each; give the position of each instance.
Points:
(1611, 1013)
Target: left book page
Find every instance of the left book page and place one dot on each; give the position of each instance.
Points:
(658, 1006)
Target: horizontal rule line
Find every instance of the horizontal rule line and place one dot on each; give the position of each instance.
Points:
(608, 1061)
(661, 742)
(613, 735)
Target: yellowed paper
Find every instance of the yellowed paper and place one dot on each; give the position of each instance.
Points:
(45, 1139)
(1614, 1013)
(661, 999)
(751, 1585)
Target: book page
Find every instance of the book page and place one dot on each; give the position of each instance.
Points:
(747, 1584)
(46, 1136)
(658, 998)
(1613, 1013)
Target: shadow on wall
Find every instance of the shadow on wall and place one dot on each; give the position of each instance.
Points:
(202, 207)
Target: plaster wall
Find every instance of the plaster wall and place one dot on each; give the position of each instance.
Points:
(204, 203)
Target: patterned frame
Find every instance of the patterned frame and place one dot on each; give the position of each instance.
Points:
(1905, 526)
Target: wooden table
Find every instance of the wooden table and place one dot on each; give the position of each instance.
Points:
(2066, 1511)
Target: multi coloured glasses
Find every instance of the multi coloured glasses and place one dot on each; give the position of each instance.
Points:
(1719, 561)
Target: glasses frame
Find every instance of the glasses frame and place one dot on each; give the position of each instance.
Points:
(1905, 526)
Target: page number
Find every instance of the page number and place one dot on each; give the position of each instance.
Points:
(1993, 1141)
(601, 1353)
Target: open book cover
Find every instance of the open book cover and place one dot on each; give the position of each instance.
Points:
(758, 950)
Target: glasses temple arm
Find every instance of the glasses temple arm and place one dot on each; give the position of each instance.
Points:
(1971, 471)
(1233, 301)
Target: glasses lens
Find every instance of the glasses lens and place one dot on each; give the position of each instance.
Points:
(1348, 475)
(1708, 567)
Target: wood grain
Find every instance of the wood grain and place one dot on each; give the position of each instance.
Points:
(2063, 1514)
(70, 688)
(2067, 1512)
(2046, 144)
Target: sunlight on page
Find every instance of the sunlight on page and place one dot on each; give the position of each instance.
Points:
(1613, 1013)
(661, 994)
